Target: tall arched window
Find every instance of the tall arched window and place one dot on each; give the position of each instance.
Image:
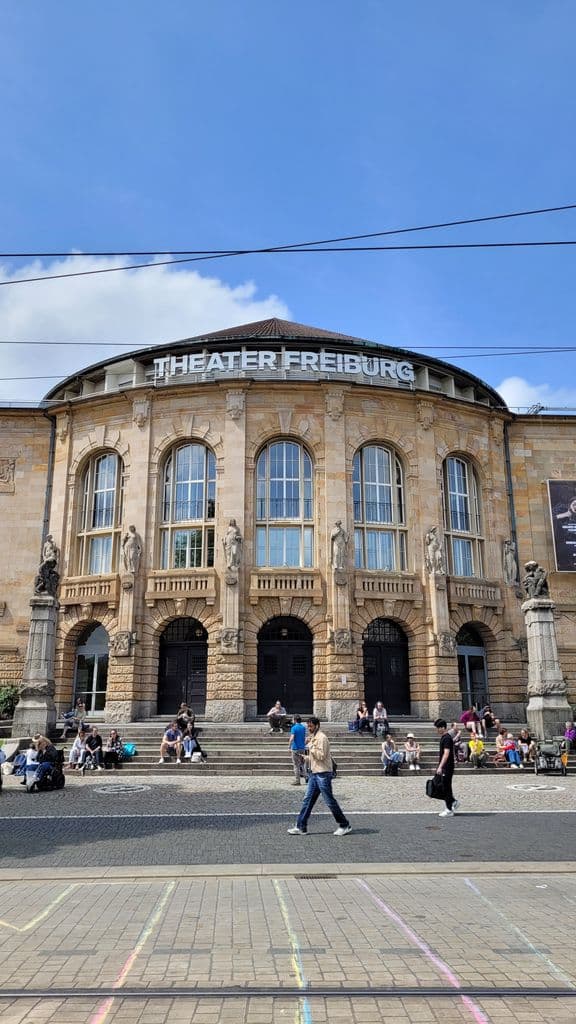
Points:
(188, 508)
(379, 513)
(284, 506)
(101, 515)
(462, 523)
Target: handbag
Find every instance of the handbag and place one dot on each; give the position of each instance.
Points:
(435, 787)
(334, 769)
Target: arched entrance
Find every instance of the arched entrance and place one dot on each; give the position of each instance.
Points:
(472, 674)
(285, 666)
(386, 671)
(183, 667)
(91, 667)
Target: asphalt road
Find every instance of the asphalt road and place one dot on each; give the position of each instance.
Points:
(158, 825)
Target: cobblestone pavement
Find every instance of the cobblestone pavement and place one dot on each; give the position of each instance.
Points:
(444, 933)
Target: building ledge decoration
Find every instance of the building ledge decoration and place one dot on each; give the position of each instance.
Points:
(285, 583)
(177, 583)
(370, 585)
(482, 593)
(90, 590)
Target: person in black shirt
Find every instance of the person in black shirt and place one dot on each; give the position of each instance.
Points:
(93, 748)
(446, 767)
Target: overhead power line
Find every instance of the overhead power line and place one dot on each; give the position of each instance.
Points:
(324, 245)
(296, 245)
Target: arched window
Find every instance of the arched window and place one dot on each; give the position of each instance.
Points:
(284, 506)
(379, 513)
(462, 523)
(100, 515)
(188, 508)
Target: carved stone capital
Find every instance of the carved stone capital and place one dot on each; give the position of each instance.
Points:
(334, 404)
(446, 645)
(121, 644)
(342, 640)
(140, 412)
(235, 403)
(229, 640)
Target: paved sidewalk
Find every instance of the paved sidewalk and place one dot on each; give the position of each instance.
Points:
(446, 933)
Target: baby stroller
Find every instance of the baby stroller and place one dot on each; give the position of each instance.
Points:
(551, 757)
(54, 779)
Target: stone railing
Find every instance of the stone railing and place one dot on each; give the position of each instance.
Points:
(285, 583)
(387, 586)
(164, 584)
(483, 593)
(90, 590)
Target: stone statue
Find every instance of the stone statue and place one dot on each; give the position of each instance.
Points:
(131, 550)
(510, 564)
(338, 545)
(434, 553)
(232, 544)
(535, 582)
(48, 578)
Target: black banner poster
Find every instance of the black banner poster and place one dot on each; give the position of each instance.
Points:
(562, 494)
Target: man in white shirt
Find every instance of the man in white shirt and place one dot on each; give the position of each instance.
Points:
(380, 719)
(276, 717)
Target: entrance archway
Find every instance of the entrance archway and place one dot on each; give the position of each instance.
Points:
(183, 667)
(386, 669)
(472, 674)
(91, 667)
(285, 666)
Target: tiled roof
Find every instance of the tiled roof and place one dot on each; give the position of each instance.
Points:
(273, 328)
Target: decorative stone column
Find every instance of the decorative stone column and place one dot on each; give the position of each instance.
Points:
(120, 698)
(548, 707)
(443, 666)
(36, 711)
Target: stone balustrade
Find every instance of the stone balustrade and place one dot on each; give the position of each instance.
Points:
(90, 590)
(387, 586)
(482, 593)
(164, 584)
(285, 583)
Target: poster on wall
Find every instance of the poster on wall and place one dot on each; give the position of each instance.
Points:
(562, 495)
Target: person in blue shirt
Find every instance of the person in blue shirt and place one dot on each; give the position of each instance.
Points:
(171, 743)
(297, 748)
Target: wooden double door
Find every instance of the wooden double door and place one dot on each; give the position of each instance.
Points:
(183, 667)
(285, 666)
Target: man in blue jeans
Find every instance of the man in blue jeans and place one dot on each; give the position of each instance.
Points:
(319, 782)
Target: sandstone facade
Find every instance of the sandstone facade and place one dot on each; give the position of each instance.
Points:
(331, 418)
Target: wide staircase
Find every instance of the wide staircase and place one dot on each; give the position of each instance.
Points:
(247, 748)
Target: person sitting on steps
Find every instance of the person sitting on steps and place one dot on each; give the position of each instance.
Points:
(412, 752)
(171, 743)
(191, 743)
(276, 717)
(363, 717)
(380, 719)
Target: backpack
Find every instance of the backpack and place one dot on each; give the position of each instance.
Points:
(392, 768)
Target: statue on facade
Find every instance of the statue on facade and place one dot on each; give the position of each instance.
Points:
(131, 550)
(510, 563)
(232, 544)
(48, 578)
(338, 545)
(535, 581)
(434, 552)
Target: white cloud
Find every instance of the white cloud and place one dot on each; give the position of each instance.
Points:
(142, 307)
(517, 392)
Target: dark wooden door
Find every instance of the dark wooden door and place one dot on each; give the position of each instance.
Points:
(285, 673)
(182, 677)
(386, 667)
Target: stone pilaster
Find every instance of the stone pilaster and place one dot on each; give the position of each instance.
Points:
(36, 711)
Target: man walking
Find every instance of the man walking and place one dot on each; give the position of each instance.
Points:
(297, 748)
(446, 767)
(319, 782)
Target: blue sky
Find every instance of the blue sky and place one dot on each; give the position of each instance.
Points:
(184, 125)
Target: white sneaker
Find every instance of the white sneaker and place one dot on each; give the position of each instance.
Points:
(417, 767)
(100, 768)
(412, 767)
(161, 761)
(297, 831)
(455, 805)
(187, 755)
(446, 813)
(343, 830)
(178, 760)
(514, 767)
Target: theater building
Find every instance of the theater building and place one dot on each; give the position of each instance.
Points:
(278, 511)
